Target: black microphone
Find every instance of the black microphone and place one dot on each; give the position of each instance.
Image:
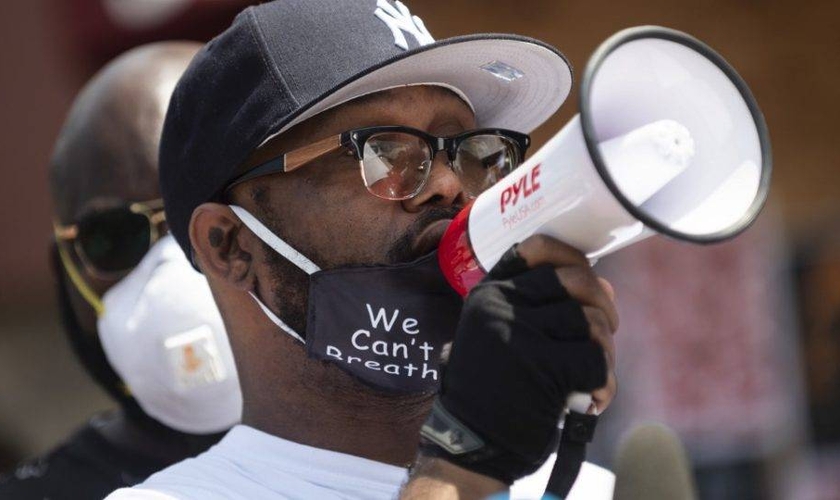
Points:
(652, 464)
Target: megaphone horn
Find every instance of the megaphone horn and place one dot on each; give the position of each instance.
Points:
(668, 140)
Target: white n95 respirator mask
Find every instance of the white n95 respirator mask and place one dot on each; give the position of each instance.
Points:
(163, 335)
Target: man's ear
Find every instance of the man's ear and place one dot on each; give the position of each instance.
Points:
(223, 249)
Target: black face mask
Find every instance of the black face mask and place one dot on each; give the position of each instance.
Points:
(385, 325)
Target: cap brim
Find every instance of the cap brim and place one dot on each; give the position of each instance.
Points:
(512, 82)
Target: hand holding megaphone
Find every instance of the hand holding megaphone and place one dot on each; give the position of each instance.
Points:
(669, 140)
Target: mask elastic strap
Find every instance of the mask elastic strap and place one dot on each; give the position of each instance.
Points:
(81, 285)
(274, 241)
(277, 321)
(284, 249)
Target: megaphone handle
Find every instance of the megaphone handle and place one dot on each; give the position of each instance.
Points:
(578, 429)
(579, 402)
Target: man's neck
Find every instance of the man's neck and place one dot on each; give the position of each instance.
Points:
(324, 407)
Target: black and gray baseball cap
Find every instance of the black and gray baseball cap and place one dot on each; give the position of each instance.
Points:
(285, 61)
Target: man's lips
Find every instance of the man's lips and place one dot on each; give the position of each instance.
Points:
(429, 238)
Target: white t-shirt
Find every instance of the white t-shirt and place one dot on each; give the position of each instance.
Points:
(249, 464)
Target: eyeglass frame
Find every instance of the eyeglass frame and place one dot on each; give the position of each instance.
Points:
(151, 209)
(355, 139)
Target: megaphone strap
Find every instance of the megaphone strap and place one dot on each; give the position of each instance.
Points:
(578, 430)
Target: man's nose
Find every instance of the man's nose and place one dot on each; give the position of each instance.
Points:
(443, 189)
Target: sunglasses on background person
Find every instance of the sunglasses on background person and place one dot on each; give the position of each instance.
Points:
(112, 241)
(396, 162)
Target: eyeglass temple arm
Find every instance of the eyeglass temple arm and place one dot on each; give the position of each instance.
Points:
(292, 160)
(140, 206)
(301, 156)
(64, 233)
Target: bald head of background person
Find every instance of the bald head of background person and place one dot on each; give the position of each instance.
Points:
(106, 152)
(106, 157)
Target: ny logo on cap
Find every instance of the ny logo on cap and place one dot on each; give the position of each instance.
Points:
(399, 19)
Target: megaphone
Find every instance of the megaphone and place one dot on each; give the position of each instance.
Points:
(668, 140)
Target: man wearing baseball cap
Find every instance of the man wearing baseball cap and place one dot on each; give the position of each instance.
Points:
(311, 158)
(141, 320)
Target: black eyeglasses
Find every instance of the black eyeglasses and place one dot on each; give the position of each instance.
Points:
(396, 162)
(111, 241)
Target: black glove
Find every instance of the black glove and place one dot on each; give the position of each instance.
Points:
(521, 348)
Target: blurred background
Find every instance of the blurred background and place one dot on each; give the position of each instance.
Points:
(735, 346)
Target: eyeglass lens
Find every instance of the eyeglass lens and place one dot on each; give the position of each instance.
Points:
(114, 240)
(482, 160)
(395, 165)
